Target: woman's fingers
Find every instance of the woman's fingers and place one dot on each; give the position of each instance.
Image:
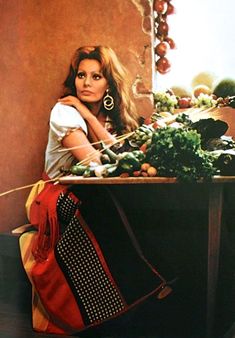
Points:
(67, 100)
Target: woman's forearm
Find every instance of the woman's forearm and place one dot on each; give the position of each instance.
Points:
(81, 147)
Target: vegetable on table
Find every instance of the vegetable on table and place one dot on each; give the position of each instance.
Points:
(188, 151)
(78, 170)
(176, 152)
(130, 161)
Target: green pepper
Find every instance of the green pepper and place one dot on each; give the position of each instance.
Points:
(108, 152)
(89, 172)
(128, 162)
(139, 154)
(78, 169)
(105, 159)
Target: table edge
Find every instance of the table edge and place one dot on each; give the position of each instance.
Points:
(137, 180)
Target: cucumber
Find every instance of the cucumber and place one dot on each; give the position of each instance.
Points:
(78, 170)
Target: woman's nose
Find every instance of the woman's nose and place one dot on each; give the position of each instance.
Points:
(87, 81)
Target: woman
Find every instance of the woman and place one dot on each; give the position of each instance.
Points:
(82, 264)
(97, 106)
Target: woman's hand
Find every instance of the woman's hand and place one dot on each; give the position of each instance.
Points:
(76, 103)
(96, 130)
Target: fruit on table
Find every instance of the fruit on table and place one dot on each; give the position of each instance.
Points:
(145, 166)
(152, 171)
(181, 91)
(146, 170)
(205, 101)
(184, 102)
(164, 102)
(224, 88)
(156, 125)
(204, 78)
(147, 120)
(201, 89)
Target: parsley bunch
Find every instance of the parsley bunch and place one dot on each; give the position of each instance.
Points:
(177, 152)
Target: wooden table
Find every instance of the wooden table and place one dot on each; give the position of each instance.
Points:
(215, 208)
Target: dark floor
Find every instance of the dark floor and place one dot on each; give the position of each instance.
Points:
(14, 324)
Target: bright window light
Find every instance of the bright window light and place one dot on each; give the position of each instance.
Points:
(203, 31)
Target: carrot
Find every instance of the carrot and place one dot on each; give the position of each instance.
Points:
(143, 147)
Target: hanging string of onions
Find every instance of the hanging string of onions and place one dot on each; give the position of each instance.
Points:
(161, 9)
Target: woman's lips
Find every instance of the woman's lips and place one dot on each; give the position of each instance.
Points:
(86, 92)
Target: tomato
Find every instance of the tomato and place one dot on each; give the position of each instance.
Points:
(163, 65)
(170, 42)
(162, 48)
(159, 19)
(170, 9)
(147, 120)
(184, 102)
(155, 125)
(160, 6)
(163, 28)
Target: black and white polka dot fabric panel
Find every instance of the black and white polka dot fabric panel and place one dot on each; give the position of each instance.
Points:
(94, 290)
(66, 208)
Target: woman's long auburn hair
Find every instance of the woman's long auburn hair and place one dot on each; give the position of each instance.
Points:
(123, 115)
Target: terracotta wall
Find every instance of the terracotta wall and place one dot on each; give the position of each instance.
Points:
(38, 38)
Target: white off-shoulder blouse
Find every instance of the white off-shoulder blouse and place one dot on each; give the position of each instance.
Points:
(63, 120)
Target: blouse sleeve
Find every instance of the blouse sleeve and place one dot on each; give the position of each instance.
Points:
(64, 120)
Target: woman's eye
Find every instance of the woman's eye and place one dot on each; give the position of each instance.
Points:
(97, 76)
(80, 75)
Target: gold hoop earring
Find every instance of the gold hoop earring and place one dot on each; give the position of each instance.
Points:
(108, 101)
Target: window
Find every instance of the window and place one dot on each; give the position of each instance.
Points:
(203, 31)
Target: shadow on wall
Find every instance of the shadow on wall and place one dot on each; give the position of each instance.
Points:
(37, 42)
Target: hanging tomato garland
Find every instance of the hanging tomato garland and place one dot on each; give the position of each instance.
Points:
(162, 8)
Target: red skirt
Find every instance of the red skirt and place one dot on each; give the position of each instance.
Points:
(84, 262)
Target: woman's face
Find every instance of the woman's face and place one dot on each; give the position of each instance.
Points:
(90, 83)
